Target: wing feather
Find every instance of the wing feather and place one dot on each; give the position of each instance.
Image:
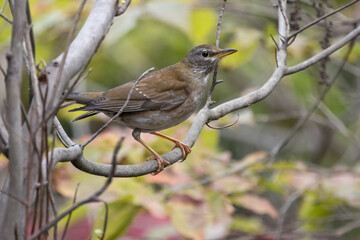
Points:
(166, 95)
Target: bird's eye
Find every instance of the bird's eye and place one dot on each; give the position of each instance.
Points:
(205, 54)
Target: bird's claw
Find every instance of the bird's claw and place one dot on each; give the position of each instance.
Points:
(185, 149)
(160, 161)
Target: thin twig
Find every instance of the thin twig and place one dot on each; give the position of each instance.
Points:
(119, 112)
(93, 198)
(293, 197)
(316, 58)
(226, 126)
(6, 18)
(305, 118)
(62, 135)
(339, 125)
(106, 217)
(14, 197)
(283, 13)
(322, 18)
(33, 78)
(121, 9)
(69, 217)
(214, 81)
(2, 10)
(218, 29)
(63, 59)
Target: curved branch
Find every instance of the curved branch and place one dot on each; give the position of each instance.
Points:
(309, 62)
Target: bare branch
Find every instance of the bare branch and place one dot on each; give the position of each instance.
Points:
(64, 138)
(33, 77)
(11, 220)
(309, 62)
(293, 197)
(80, 51)
(2, 10)
(120, 10)
(64, 56)
(218, 29)
(69, 217)
(226, 126)
(322, 18)
(92, 198)
(214, 80)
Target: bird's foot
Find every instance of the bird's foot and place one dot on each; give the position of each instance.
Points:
(160, 161)
(185, 149)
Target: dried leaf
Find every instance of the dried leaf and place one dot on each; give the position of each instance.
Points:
(256, 204)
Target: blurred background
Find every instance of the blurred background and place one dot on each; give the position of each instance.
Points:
(311, 190)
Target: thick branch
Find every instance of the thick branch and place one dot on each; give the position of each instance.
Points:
(13, 210)
(82, 48)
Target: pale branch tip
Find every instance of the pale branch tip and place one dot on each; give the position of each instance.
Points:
(122, 9)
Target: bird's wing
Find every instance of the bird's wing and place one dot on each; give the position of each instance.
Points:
(144, 97)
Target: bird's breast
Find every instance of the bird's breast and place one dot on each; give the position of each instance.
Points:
(198, 90)
(152, 121)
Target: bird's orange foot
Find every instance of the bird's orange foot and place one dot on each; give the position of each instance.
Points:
(185, 149)
(160, 162)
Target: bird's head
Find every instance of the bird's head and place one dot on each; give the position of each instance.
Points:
(204, 58)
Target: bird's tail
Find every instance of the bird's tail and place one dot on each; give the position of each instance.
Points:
(83, 98)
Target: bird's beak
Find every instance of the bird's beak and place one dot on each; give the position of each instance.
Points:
(225, 52)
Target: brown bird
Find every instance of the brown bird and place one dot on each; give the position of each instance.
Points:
(161, 99)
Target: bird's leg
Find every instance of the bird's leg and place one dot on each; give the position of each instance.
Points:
(156, 156)
(185, 149)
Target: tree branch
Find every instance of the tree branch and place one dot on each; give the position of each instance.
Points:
(92, 198)
(11, 220)
(309, 62)
(81, 49)
(322, 18)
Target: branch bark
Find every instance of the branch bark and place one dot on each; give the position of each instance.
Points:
(11, 219)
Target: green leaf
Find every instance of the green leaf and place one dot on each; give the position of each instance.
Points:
(121, 213)
(247, 225)
(316, 205)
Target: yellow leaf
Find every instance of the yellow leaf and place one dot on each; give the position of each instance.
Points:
(203, 22)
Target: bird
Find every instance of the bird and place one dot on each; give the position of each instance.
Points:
(161, 99)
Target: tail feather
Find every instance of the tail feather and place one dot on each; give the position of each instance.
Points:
(85, 115)
(83, 98)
